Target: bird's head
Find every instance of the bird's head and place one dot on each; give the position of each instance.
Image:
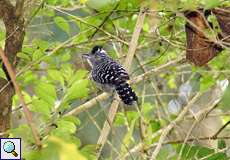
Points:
(96, 54)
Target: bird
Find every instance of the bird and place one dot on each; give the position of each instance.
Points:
(110, 75)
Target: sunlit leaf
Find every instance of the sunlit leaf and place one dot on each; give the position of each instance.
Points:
(40, 106)
(77, 90)
(66, 126)
(46, 92)
(56, 75)
(80, 74)
(211, 3)
(120, 119)
(2, 74)
(206, 82)
(62, 23)
(226, 98)
(66, 151)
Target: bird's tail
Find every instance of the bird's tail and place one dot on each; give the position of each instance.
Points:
(125, 92)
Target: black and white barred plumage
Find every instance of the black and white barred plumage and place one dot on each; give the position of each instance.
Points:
(107, 72)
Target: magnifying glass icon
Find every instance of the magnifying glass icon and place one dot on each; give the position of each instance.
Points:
(9, 147)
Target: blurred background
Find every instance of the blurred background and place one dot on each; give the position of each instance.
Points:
(70, 111)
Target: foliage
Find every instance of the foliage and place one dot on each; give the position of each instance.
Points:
(55, 79)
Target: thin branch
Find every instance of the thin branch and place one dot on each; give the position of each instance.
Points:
(114, 106)
(89, 104)
(192, 139)
(155, 70)
(166, 131)
(221, 129)
(21, 98)
(88, 24)
(104, 21)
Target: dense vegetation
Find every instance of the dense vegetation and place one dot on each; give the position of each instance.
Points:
(183, 110)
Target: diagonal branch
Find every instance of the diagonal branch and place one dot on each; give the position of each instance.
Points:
(89, 104)
(167, 129)
(104, 21)
(221, 129)
(114, 106)
(21, 98)
(14, 28)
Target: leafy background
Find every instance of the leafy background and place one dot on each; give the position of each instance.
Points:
(55, 81)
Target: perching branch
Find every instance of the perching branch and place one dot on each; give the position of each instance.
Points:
(114, 106)
(21, 98)
(89, 104)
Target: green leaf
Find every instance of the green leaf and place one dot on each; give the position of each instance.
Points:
(2, 74)
(65, 57)
(41, 44)
(56, 148)
(67, 71)
(80, 74)
(80, 38)
(155, 125)
(226, 98)
(26, 96)
(221, 144)
(64, 150)
(77, 90)
(120, 119)
(41, 106)
(73, 119)
(24, 56)
(146, 27)
(206, 82)
(29, 77)
(37, 55)
(62, 24)
(46, 92)
(24, 132)
(83, 1)
(56, 75)
(89, 151)
(211, 3)
(171, 82)
(132, 115)
(63, 128)
(198, 152)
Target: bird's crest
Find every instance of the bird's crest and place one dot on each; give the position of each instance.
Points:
(96, 49)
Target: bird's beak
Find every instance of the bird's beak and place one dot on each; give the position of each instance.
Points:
(85, 56)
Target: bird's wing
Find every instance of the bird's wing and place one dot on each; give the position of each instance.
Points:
(110, 73)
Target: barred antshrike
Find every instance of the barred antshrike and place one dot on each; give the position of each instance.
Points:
(109, 74)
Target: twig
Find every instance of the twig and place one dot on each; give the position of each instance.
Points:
(103, 22)
(221, 129)
(192, 139)
(172, 125)
(114, 106)
(88, 24)
(155, 70)
(21, 98)
(135, 80)
(199, 117)
(88, 104)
